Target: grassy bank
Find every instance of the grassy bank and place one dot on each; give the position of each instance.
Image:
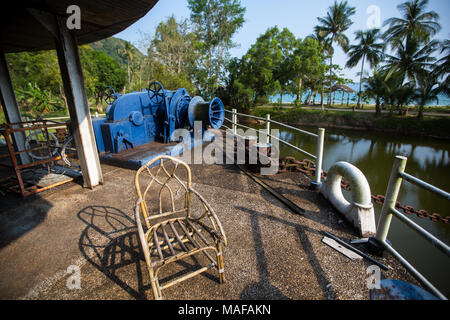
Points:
(438, 127)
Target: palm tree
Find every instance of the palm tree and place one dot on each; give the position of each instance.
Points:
(127, 51)
(374, 87)
(333, 27)
(328, 51)
(427, 91)
(412, 61)
(443, 66)
(367, 48)
(415, 24)
(403, 95)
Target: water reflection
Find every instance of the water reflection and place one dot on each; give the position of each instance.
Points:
(373, 154)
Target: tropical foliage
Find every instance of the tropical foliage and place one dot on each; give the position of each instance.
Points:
(400, 64)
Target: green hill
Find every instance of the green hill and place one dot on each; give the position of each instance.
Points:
(114, 47)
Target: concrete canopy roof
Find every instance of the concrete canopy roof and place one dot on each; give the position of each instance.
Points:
(20, 31)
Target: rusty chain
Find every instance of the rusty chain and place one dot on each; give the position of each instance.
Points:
(308, 168)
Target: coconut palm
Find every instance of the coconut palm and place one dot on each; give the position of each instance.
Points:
(413, 60)
(128, 53)
(368, 48)
(443, 66)
(333, 26)
(374, 87)
(427, 91)
(328, 51)
(415, 24)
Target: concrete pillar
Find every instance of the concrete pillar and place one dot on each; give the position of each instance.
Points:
(10, 107)
(73, 80)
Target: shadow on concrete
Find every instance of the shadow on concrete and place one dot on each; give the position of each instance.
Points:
(264, 289)
(19, 215)
(110, 242)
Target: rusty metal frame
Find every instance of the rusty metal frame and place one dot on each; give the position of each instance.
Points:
(21, 187)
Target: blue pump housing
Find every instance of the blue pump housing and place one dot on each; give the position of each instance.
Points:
(135, 118)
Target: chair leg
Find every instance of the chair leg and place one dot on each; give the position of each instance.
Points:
(155, 286)
(220, 265)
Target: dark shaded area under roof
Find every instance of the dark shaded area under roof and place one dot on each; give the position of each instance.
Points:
(20, 31)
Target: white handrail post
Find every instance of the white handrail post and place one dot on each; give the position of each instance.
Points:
(395, 181)
(234, 119)
(320, 141)
(268, 128)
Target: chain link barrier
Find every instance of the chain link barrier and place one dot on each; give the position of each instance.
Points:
(308, 167)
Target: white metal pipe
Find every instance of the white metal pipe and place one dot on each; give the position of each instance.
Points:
(234, 118)
(413, 271)
(320, 142)
(395, 181)
(421, 231)
(425, 185)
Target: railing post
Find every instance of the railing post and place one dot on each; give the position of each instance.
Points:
(395, 181)
(268, 128)
(320, 140)
(234, 120)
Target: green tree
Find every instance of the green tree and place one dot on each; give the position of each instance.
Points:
(327, 52)
(173, 45)
(368, 48)
(101, 71)
(412, 61)
(307, 65)
(259, 63)
(284, 72)
(415, 24)
(442, 67)
(427, 91)
(215, 22)
(333, 27)
(127, 52)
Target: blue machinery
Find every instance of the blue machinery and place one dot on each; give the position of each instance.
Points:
(150, 118)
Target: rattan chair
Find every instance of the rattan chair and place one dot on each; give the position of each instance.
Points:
(175, 223)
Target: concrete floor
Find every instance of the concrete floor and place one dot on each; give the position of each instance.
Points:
(272, 253)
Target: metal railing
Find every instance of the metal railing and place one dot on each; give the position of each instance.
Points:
(320, 136)
(388, 211)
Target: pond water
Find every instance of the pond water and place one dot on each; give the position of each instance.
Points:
(373, 154)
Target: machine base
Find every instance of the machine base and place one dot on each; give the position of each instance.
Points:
(136, 157)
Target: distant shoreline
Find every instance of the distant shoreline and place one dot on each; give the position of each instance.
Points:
(437, 127)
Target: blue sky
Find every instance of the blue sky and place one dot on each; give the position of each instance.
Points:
(299, 16)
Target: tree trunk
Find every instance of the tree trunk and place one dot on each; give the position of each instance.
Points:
(300, 90)
(331, 76)
(129, 76)
(61, 91)
(420, 114)
(348, 98)
(377, 107)
(98, 102)
(360, 82)
(321, 96)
